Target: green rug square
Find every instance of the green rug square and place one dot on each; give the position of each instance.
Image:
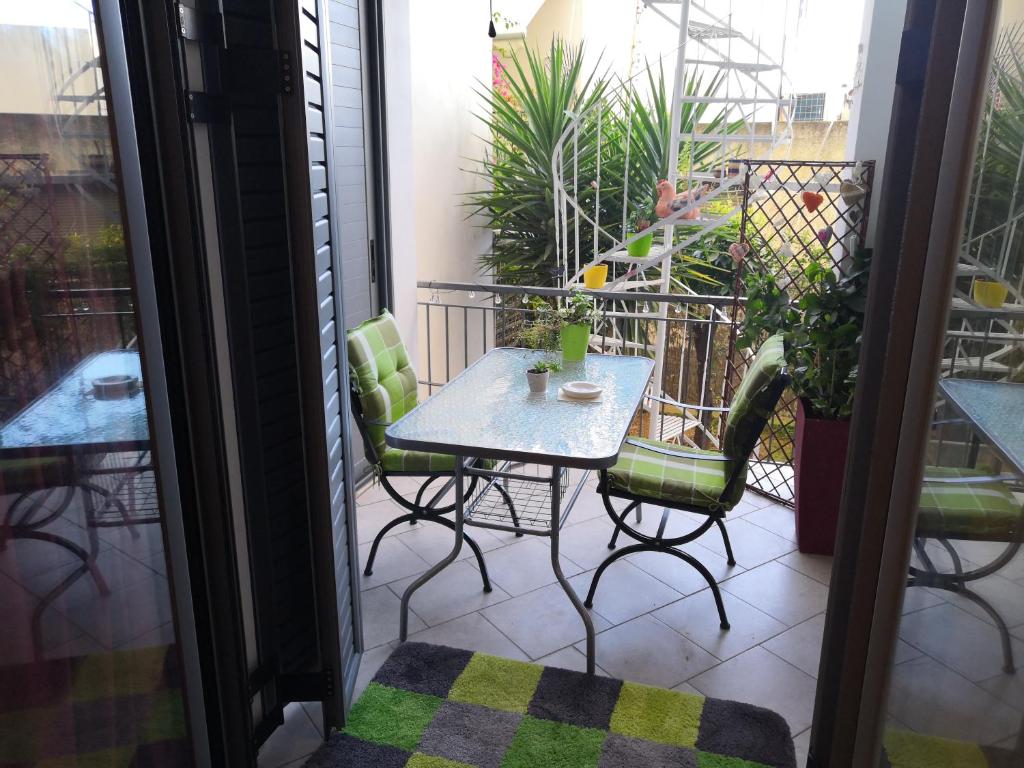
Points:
(429, 761)
(915, 750)
(711, 760)
(390, 716)
(497, 683)
(668, 717)
(553, 745)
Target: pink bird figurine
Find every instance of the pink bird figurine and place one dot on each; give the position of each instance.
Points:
(669, 202)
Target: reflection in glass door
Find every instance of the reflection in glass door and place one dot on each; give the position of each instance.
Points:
(90, 670)
(956, 695)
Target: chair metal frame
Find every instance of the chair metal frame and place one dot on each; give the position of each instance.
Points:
(658, 542)
(417, 510)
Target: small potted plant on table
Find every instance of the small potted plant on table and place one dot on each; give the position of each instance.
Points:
(537, 375)
(822, 331)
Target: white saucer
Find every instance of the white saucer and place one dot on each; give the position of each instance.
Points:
(581, 390)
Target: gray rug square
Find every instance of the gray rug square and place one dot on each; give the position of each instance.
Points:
(470, 734)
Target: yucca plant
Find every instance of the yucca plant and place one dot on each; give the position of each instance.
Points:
(524, 127)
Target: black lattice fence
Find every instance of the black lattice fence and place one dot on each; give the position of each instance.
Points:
(795, 213)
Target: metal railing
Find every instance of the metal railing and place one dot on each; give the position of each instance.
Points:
(460, 322)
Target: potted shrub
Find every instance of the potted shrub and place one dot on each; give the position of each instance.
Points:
(639, 221)
(822, 331)
(575, 318)
(537, 375)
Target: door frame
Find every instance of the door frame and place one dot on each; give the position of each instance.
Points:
(929, 154)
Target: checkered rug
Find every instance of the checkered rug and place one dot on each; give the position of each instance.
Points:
(436, 707)
(122, 709)
(906, 749)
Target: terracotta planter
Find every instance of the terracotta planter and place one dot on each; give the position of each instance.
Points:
(820, 463)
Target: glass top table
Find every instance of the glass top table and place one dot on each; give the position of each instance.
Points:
(488, 412)
(69, 416)
(996, 411)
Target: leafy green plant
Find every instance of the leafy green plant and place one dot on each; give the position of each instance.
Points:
(822, 330)
(545, 366)
(579, 308)
(524, 127)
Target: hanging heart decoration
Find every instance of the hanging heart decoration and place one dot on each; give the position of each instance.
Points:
(825, 235)
(739, 251)
(852, 192)
(812, 200)
(786, 251)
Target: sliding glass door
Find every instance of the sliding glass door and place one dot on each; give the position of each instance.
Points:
(92, 670)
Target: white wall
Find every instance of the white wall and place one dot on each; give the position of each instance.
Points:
(398, 79)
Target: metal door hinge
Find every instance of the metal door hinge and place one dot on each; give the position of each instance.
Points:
(200, 26)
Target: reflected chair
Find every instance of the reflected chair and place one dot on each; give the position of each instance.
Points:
(707, 483)
(383, 388)
(965, 505)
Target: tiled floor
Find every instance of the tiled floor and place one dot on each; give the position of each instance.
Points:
(657, 621)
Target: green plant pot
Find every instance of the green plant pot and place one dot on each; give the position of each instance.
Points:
(640, 248)
(574, 342)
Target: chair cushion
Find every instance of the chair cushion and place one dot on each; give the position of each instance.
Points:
(984, 511)
(379, 365)
(397, 460)
(681, 481)
(752, 402)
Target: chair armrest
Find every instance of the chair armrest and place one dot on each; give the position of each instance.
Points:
(377, 423)
(678, 454)
(685, 406)
(972, 479)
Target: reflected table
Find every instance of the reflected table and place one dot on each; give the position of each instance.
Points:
(488, 412)
(56, 441)
(995, 410)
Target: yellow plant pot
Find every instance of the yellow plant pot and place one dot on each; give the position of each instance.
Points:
(990, 293)
(594, 277)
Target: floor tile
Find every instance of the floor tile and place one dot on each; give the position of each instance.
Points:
(931, 698)
(775, 518)
(801, 645)
(679, 574)
(696, 617)
(625, 592)
(371, 518)
(314, 711)
(759, 677)
(751, 544)
(959, 640)
(749, 502)
(586, 544)
(1008, 688)
(295, 738)
(919, 598)
(471, 633)
(801, 744)
(455, 591)
(370, 662)
(568, 658)
(818, 567)
(1005, 596)
(394, 561)
(542, 621)
(433, 541)
(381, 617)
(525, 566)
(646, 651)
(780, 592)
(588, 506)
(687, 688)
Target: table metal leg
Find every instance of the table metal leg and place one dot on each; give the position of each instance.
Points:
(556, 566)
(460, 502)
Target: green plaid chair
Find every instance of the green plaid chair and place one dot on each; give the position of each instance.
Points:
(963, 504)
(383, 388)
(706, 482)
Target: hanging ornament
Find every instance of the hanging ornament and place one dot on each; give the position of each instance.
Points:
(825, 236)
(812, 200)
(824, 178)
(739, 251)
(491, 31)
(434, 298)
(852, 192)
(786, 251)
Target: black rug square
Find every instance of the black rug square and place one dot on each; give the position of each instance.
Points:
(749, 732)
(344, 751)
(575, 698)
(622, 750)
(422, 668)
(470, 734)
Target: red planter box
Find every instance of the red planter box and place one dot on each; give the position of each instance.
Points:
(819, 467)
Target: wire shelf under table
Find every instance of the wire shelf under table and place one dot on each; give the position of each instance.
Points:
(529, 491)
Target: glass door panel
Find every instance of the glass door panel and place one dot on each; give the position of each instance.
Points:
(90, 669)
